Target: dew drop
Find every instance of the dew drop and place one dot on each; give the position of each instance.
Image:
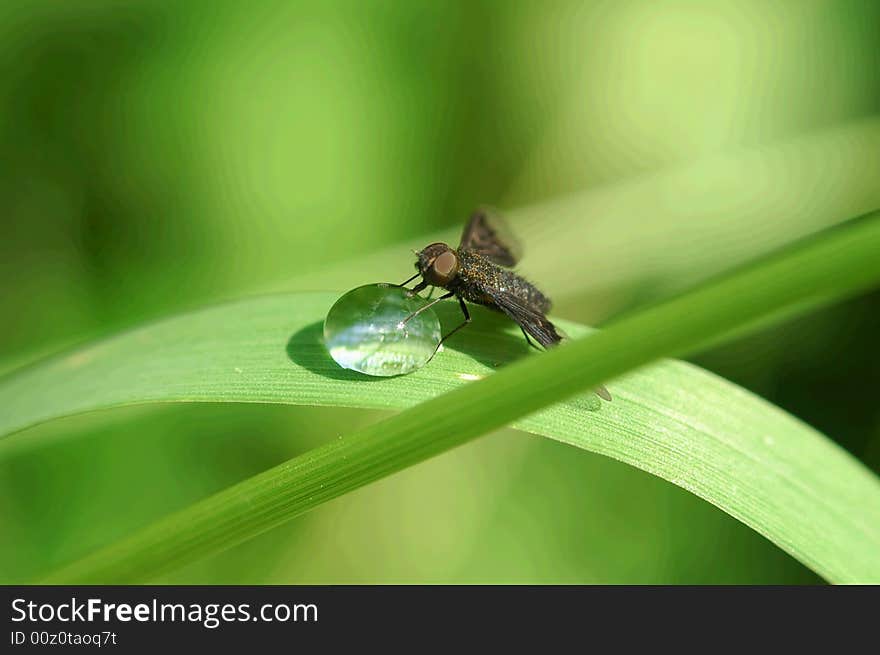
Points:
(588, 402)
(364, 331)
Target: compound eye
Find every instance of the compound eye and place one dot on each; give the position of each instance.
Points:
(445, 265)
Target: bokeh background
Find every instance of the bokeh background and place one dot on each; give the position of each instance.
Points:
(159, 156)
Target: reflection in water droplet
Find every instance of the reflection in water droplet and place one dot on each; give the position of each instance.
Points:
(364, 331)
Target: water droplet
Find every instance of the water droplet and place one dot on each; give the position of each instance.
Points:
(364, 331)
(589, 402)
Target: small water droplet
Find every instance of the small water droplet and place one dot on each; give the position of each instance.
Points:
(365, 331)
(589, 402)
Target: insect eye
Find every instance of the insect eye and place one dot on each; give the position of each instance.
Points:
(446, 264)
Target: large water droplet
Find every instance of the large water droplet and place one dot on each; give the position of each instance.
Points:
(364, 331)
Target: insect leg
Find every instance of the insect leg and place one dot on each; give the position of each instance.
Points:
(467, 319)
(529, 339)
(424, 307)
(402, 284)
(421, 286)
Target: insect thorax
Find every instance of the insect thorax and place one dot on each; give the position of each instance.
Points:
(478, 278)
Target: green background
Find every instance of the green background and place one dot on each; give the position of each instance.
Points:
(158, 156)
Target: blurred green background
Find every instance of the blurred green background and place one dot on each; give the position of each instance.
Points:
(159, 156)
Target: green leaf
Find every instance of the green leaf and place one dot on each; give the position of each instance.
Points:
(750, 459)
(663, 231)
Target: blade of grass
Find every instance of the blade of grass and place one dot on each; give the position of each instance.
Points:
(669, 229)
(653, 234)
(776, 475)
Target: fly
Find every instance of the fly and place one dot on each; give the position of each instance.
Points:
(478, 271)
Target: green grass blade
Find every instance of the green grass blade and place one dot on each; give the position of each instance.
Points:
(654, 234)
(668, 229)
(743, 455)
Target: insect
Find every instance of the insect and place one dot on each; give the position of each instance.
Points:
(478, 271)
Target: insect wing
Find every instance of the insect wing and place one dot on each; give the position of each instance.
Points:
(602, 392)
(537, 326)
(488, 234)
(532, 321)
